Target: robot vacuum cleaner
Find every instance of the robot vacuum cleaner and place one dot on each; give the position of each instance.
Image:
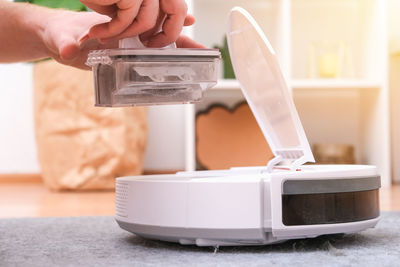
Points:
(254, 205)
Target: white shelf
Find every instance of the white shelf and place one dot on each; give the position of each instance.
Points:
(352, 111)
(334, 84)
(315, 84)
(227, 84)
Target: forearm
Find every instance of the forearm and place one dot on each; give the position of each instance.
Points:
(21, 28)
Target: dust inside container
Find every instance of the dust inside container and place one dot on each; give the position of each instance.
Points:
(130, 77)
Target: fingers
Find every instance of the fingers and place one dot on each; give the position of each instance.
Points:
(176, 11)
(141, 17)
(145, 20)
(110, 9)
(127, 11)
(189, 20)
(80, 59)
(95, 20)
(67, 43)
(185, 42)
(144, 37)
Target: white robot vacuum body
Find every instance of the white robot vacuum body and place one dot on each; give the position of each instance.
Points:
(254, 205)
(247, 206)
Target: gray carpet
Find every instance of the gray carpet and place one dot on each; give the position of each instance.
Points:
(98, 241)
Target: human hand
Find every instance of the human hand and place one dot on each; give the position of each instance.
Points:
(38, 32)
(63, 39)
(137, 17)
(62, 34)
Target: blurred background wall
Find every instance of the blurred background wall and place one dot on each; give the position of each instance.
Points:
(166, 144)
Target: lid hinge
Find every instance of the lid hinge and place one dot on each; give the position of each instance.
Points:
(273, 162)
(294, 165)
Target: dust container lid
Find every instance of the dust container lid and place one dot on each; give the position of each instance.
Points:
(109, 56)
(262, 83)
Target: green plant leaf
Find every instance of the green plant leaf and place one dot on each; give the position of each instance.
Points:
(66, 4)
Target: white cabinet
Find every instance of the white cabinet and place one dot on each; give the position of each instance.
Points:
(17, 139)
(352, 109)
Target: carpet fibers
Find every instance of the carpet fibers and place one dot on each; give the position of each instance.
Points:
(98, 241)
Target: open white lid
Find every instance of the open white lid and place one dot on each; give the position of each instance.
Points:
(259, 75)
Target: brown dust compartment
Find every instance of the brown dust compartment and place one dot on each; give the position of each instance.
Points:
(327, 208)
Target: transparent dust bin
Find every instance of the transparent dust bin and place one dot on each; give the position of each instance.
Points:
(132, 77)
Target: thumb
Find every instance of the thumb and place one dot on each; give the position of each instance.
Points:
(68, 48)
(185, 42)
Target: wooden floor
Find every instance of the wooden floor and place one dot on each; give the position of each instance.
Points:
(29, 198)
